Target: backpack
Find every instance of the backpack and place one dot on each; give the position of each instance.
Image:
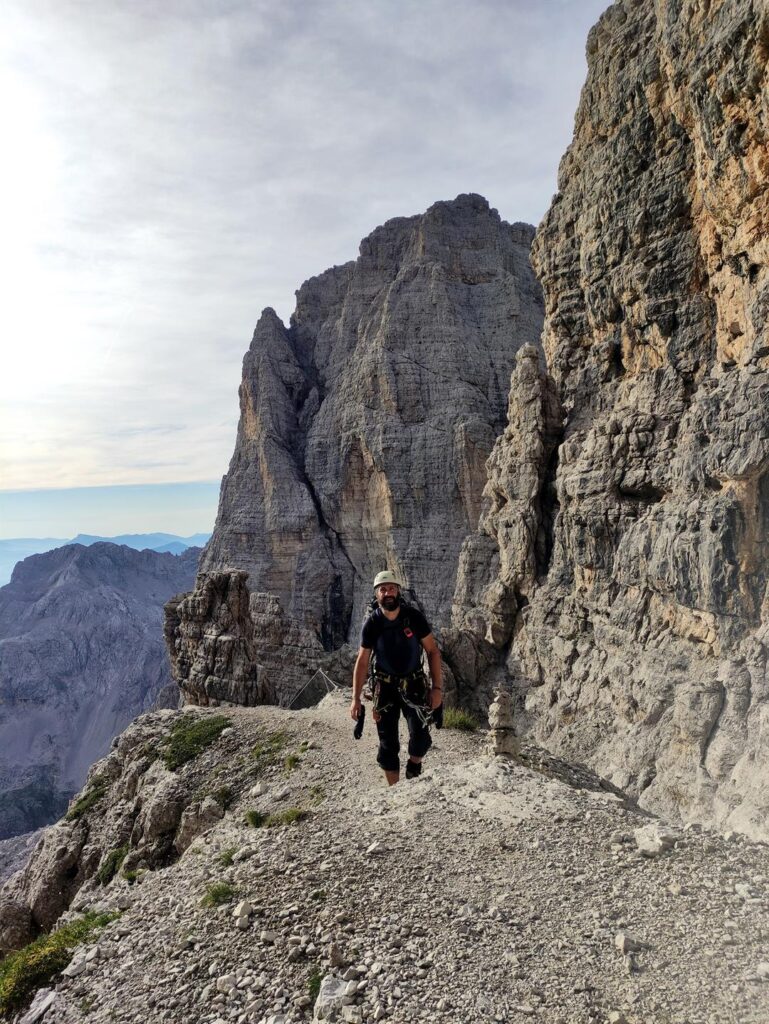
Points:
(405, 606)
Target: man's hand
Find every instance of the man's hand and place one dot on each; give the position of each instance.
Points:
(436, 697)
(355, 707)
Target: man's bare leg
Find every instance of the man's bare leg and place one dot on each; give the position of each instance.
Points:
(392, 777)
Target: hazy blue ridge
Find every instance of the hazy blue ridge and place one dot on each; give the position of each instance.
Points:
(81, 654)
(16, 549)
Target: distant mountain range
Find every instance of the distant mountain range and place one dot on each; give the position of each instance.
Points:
(81, 654)
(14, 550)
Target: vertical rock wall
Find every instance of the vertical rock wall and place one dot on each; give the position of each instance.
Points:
(627, 590)
(366, 424)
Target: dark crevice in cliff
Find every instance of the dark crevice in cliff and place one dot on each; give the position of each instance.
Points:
(337, 611)
(549, 507)
(713, 729)
(645, 492)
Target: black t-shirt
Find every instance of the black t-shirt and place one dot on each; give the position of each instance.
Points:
(396, 644)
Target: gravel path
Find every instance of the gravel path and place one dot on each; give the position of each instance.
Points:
(484, 891)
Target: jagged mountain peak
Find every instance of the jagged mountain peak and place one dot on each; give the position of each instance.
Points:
(365, 424)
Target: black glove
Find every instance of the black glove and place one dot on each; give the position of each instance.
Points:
(438, 716)
(358, 730)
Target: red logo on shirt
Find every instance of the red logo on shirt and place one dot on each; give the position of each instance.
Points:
(408, 632)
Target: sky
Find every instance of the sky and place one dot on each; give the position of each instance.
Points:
(171, 169)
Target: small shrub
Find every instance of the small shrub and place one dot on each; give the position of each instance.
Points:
(291, 761)
(288, 817)
(319, 895)
(317, 794)
(455, 718)
(92, 796)
(190, 737)
(255, 818)
(313, 984)
(111, 864)
(130, 875)
(217, 894)
(224, 796)
(226, 857)
(22, 973)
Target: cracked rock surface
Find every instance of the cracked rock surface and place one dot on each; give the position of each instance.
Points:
(365, 424)
(620, 571)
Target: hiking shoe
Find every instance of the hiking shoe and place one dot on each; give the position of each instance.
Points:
(413, 770)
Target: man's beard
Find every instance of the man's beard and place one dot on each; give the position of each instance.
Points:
(389, 603)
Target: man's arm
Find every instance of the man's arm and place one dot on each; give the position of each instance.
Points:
(436, 670)
(358, 679)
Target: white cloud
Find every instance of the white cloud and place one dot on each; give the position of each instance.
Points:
(175, 168)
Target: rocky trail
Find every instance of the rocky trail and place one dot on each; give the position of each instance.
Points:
(486, 890)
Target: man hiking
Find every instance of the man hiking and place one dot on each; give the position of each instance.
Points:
(395, 634)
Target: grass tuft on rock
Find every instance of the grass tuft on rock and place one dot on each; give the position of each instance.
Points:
(92, 796)
(267, 753)
(290, 816)
(111, 864)
(291, 761)
(455, 718)
(224, 796)
(190, 737)
(313, 984)
(227, 857)
(218, 893)
(22, 973)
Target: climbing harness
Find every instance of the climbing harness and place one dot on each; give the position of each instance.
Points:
(406, 687)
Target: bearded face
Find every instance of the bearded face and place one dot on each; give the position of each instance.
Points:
(387, 596)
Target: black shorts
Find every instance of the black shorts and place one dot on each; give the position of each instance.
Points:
(389, 703)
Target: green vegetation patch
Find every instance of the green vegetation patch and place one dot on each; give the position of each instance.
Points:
(22, 973)
(92, 796)
(224, 796)
(455, 718)
(268, 752)
(111, 864)
(290, 762)
(258, 819)
(190, 737)
(313, 984)
(227, 857)
(218, 893)
(288, 817)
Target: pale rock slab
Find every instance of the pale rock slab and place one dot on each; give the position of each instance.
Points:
(619, 574)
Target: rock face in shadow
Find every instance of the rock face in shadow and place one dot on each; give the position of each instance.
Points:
(620, 572)
(365, 425)
(81, 654)
(230, 646)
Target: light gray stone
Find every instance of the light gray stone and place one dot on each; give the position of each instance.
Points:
(619, 575)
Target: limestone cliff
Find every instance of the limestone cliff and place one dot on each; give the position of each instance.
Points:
(365, 425)
(620, 572)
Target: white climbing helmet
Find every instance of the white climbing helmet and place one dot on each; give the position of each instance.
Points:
(386, 577)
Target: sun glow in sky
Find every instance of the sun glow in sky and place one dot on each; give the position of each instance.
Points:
(169, 170)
